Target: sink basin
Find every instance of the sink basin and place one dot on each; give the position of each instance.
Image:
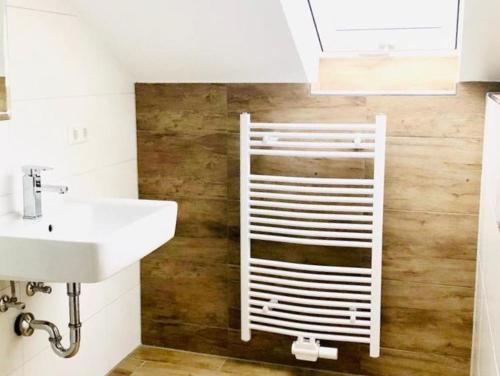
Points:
(83, 240)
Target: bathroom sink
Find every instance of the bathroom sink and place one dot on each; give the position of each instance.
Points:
(83, 240)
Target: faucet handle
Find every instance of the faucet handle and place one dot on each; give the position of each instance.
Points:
(34, 169)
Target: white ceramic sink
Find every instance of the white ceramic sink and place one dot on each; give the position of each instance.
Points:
(83, 240)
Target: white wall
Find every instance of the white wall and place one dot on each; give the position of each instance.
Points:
(199, 40)
(2, 49)
(61, 76)
(486, 346)
(480, 41)
(303, 31)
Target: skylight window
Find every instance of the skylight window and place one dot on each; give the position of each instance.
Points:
(387, 46)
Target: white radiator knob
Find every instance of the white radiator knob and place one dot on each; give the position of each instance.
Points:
(328, 353)
(310, 350)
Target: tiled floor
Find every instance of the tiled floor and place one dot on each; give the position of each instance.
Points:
(151, 361)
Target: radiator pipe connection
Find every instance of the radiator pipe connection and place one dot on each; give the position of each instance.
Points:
(26, 325)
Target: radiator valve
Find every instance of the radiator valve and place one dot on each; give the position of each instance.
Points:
(310, 350)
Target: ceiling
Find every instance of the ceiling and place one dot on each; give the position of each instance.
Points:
(198, 40)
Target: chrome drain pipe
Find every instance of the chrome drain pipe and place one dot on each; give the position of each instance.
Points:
(26, 325)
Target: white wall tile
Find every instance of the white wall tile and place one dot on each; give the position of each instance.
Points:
(58, 6)
(53, 307)
(52, 55)
(38, 133)
(6, 204)
(487, 363)
(486, 345)
(478, 315)
(97, 296)
(123, 331)
(11, 346)
(117, 180)
(61, 76)
(18, 372)
(91, 359)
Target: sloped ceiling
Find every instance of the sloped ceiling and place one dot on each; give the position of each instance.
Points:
(198, 40)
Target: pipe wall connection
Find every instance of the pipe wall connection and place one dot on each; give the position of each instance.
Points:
(26, 324)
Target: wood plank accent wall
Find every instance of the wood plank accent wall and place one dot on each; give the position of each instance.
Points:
(188, 151)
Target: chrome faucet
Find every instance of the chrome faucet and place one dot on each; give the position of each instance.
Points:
(32, 190)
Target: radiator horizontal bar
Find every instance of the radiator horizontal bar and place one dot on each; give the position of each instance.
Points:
(310, 285)
(304, 189)
(312, 198)
(329, 243)
(318, 216)
(314, 136)
(313, 154)
(310, 302)
(313, 126)
(310, 267)
(317, 294)
(309, 224)
(311, 327)
(311, 310)
(314, 145)
(318, 336)
(310, 276)
(308, 318)
(311, 233)
(306, 180)
(313, 207)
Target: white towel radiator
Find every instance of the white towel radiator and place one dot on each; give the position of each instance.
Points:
(312, 302)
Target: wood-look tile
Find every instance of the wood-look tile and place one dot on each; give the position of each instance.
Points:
(430, 174)
(428, 331)
(3, 96)
(183, 164)
(398, 363)
(233, 166)
(233, 232)
(174, 96)
(148, 361)
(156, 361)
(245, 368)
(198, 338)
(167, 369)
(444, 271)
(127, 367)
(435, 116)
(194, 360)
(404, 294)
(274, 348)
(433, 235)
(172, 120)
(207, 250)
(290, 103)
(199, 218)
(444, 255)
(233, 297)
(179, 292)
(181, 107)
(188, 147)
